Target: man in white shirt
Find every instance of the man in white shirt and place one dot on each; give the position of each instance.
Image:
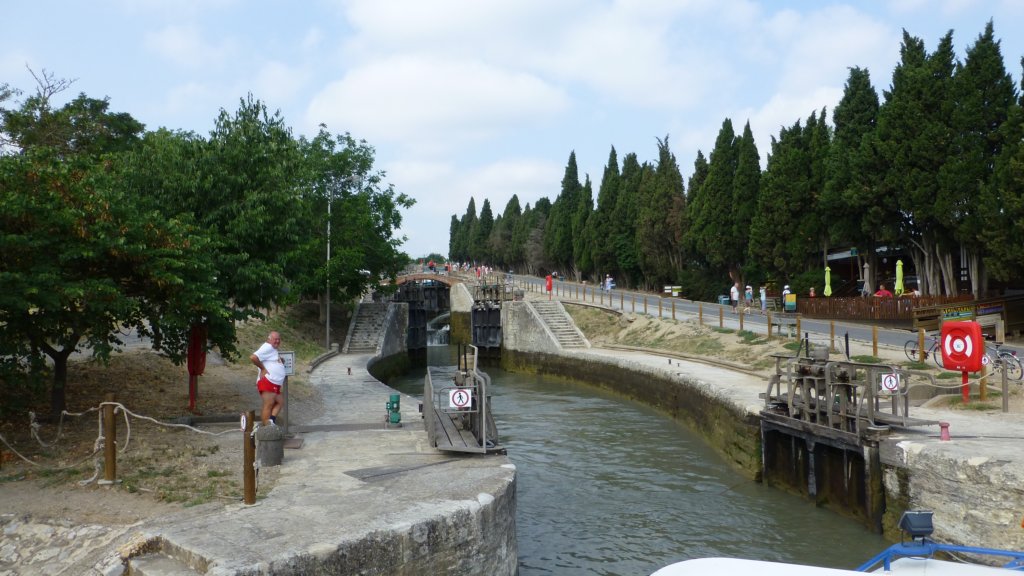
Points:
(271, 377)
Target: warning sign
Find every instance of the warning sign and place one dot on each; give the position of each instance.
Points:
(890, 383)
(459, 398)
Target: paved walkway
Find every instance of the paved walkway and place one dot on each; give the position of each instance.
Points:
(353, 482)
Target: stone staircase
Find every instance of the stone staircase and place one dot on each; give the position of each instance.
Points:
(559, 323)
(367, 328)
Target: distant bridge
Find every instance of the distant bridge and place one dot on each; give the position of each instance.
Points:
(420, 276)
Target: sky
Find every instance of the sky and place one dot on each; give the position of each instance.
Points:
(485, 99)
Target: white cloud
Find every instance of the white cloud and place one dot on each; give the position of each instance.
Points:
(426, 104)
(443, 190)
(277, 82)
(784, 110)
(831, 41)
(185, 47)
(313, 39)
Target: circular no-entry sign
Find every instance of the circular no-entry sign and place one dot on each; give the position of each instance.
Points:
(890, 382)
(459, 398)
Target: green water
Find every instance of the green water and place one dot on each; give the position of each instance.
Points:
(608, 486)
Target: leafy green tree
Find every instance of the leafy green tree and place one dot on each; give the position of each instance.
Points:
(583, 240)
(601, 224)
(466, 225)
(505, 251)
(813, 225)
(454, 231)
(911, 144)
(530, 235)
(711, 222)
(481, 234)
(558, 232)
(83, 126)
(364, 216)
(1003, 200)
(83, 262)
(624, 222)
(982, 93)
(782, 241)
(848, 202)
(659, 204)
(746, 188)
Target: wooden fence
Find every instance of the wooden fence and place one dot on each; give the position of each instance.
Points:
(898, 311)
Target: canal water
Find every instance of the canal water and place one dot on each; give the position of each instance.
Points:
(608, 486)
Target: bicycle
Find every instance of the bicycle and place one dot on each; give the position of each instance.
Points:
(912, 349)
(1006, 360)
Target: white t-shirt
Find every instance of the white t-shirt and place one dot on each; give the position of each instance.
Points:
(734, 293)
(272, 362)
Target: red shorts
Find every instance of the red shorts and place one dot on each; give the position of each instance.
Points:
(264, 385)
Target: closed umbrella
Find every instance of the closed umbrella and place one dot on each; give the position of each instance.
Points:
(899, 278)
(828, 281)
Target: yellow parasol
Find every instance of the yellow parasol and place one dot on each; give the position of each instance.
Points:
(899, 278)
(828, 281)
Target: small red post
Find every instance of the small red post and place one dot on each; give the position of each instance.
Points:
(944, 431)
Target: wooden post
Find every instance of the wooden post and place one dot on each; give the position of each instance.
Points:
(983, 383)
(874, 341)
(700, 313)
(832, 335)
(1006, 391)
(632, 299)
(645, 304)
(721, 317)
(741, 319)
(249, 459)
(798, 328)
(622, 301)
(769, 324)
(673, 309)
(284, 407)
(920, 345)
(109, 441)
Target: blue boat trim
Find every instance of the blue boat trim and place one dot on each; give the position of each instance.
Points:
(927, 549)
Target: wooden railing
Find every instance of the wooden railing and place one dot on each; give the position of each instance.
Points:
(884, 310)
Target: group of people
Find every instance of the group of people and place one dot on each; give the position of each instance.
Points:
(748, 297)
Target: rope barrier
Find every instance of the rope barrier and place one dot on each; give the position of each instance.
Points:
(35, 426)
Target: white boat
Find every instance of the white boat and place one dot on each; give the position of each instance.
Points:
(914, 558)
(900, 567)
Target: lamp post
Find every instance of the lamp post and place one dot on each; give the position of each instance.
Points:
(330, 200)
(327, 297)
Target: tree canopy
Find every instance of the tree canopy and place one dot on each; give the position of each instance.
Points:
(109, 228)
(930, 172)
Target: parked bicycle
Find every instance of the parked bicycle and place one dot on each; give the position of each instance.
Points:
(931, 350)
(1000, 359)
(1006, 360)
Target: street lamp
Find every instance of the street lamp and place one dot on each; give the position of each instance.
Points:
(330, 200)
(327, 297)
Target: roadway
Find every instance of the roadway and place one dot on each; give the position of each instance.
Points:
(633, 301)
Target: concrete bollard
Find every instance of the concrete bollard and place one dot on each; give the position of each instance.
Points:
(269, 445)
